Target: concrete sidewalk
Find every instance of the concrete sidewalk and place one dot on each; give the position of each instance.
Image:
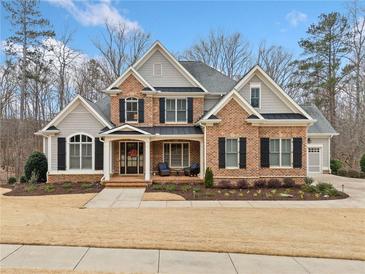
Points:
(165, 261)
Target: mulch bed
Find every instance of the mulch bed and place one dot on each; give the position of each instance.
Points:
(53, 189)
(200, 192)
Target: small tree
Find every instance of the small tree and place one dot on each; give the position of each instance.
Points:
(362, 163)
(36, 164)
(208, 179)
(335, 166)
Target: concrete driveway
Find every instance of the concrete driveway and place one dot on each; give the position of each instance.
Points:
(118, 260)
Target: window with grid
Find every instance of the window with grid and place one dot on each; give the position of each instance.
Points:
(280, 152)
(176, 154)
(255, 97)
(131, 109)
(231, 153)
(80, 151)
(176, 110)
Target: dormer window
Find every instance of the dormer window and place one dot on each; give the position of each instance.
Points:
(131, 110)
(157, 69)
(255, 94)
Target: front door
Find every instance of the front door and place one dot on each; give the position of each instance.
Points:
(131, 158)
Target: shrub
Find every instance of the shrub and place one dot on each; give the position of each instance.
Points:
(260, 184)
(23, 179)
(274, 183)
(33, 178)
(242, 184)
(30, 188)
(308, 180)
(362, 174)
(362, 163)
(67, 185)
(225, 184)
(288, 182)
(342, 172)
(208, 178)
(37, 164)
(11, 180)
(49, 188)
(170, 187)
(309, 188)
(353, 173)
(335, 166)
(327, 189)
(86, 185)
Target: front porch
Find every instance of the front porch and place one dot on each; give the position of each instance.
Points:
(134, 161)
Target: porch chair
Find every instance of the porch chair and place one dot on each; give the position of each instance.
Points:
(193, 170)
(163, 169)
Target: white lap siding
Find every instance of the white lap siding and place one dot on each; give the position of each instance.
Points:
(325, 150)
(79, 120)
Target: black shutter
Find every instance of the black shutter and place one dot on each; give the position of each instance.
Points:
(61, 153)
(162, 110)
(122, 110)
(242, 152)
(99, 154)
(297, 152)
(222, 152)
(140, 111)
(190, 109)
(265, 152)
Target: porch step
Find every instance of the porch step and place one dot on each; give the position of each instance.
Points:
(125, 184)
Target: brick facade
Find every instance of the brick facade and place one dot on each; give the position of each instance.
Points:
(233, 125)
(74, 178)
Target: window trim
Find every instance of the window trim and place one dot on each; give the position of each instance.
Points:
(68, 153)
(280, 153)
(182, 154)
(131, 99)
(256, 85)
(238, 153)
(186, 110)
(154, 70)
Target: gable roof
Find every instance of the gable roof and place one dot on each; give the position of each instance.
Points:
(322, 125)
(226, 98)
(91, 107)
(157, 46)
(114, 87)
(213, 80)
(277, 89)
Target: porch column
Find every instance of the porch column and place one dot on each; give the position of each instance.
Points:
(107, 160)
(147, 166)
(202, 167)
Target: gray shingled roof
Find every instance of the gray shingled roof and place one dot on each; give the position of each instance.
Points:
(213, 80)
(273, 116)
(322, 125)
(102, 107)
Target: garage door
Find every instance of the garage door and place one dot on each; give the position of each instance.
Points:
(314, 160)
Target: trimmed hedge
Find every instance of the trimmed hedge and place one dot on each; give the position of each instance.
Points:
(208, 178)
(11, 180)
(36, 164)
(335, 165)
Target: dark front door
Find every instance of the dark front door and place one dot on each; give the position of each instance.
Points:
(131, 157)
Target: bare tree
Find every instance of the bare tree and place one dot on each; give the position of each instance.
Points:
(120, 48)
(228, 53)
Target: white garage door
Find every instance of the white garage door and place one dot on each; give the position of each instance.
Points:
(314, 160)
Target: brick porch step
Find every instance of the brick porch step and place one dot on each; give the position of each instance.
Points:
(125, 184)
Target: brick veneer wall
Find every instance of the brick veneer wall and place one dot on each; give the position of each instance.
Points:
(74, 178)
(233, 125)
(131, 87)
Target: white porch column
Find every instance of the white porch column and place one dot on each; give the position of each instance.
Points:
(202, 167)
(49, 153)
(147, 166)
(107, 163)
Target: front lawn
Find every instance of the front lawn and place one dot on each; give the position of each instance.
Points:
(200, 192)
(27, 189)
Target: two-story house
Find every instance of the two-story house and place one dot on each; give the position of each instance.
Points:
(184, 112)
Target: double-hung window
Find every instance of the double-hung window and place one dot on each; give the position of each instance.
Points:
(176, 154)
(80, 151)
(280, 152)
(176, 110)
(231, 153)
(255, 94)
(131, 109)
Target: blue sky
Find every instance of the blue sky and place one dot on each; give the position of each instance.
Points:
(179, 24)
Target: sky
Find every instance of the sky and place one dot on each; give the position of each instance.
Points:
(179, 24)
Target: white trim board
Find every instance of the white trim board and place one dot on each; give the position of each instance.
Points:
(123, 127)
